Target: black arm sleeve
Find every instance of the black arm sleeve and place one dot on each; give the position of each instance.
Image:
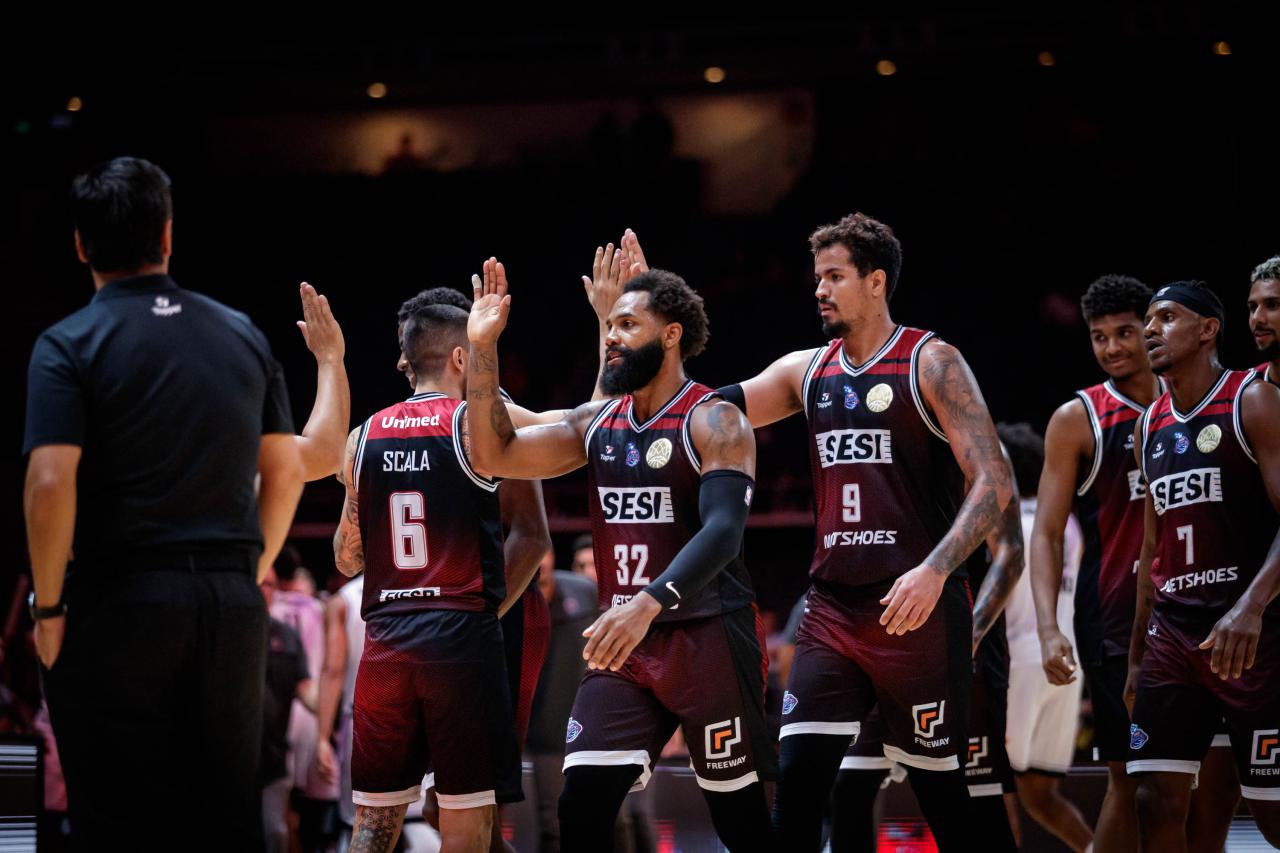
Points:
(734, 394)
(724, 500)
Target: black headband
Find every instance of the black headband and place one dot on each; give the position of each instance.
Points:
(1190, 296)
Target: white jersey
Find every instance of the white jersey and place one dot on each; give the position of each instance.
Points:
(352, 592)
(1020, 613)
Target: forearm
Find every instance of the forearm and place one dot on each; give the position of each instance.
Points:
(1146, 595)
(1006, 567)
(277, 500)
(491, 429)
(977, 516)
(1046, 578)
(723, 504)
(324, 436)
(328, 695)
(523, 551)
(348, 548)
(598, 393)
(1266, 585)
(51, 519)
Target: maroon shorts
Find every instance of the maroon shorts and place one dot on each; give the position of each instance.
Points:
(431, 693)
(846, 663)
(526, 632)
(704, 675)
(986, 769)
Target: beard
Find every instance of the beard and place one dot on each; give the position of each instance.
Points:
(835, 328)
(634, 369)
(1271, 351)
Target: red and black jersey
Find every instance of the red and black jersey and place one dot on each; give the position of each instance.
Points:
(644, 484)
(1214, 521)
(1268, 373)
(1109, 505)
(886, 486)
(431, 526)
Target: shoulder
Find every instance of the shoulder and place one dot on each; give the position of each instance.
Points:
(719, 424)
(936, 352)
(581, 417)
(66, 338)
(236, 320)
(1070, 417)
(1260, 400)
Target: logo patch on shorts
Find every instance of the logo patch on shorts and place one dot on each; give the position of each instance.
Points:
(1137, 737)
(977, 751)
(789, 702)
(1266, 746)
(575, 729)
(721, 737)
(928, 717)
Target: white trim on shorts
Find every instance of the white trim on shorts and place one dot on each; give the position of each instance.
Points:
(382, 800)
(865, 762)
(990, 789)
(1251, 793)
(726, 785)
(852, 729)
(467, 801)
(921, 762)
(1162, 765)
(613, 758)
(1220, 740)
(428, 781)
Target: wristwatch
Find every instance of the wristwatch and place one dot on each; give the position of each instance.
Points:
(38, 613)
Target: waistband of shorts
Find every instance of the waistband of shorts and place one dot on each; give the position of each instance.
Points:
(190, 562)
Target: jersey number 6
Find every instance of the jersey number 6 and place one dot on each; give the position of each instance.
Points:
(408, 532)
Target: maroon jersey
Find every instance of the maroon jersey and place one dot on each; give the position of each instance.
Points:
(430, 525)
(1214, 522)
(644, 483)
(1267, 372)
(886, 486)
(1109, 504)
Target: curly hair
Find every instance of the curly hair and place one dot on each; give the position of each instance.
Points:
(1115, 294)
(871, 246)
(1268, 270)
(676, 302)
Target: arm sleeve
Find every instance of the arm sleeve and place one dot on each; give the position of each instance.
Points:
(724, 501)
(55, 399)
(277, 415)
(734, 394)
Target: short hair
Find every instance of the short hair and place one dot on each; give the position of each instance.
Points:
(676, 302)
(1026, 452)
(1115, 294)
(871, 246)
(582, 540)
(431, 325)
(1268, 270)
(288, 562)
(120, 208)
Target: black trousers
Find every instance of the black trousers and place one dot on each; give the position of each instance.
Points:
(156, 704)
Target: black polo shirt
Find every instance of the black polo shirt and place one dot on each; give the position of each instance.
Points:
(168, 393)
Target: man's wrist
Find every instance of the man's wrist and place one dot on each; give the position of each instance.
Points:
(648, 602)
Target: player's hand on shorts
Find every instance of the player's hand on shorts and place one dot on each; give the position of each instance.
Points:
(612, 637)
(605, 284)
(326, 762)
(1234, 640)
(319, 328)
(1057, 657)
(491, 306)
(911, 599)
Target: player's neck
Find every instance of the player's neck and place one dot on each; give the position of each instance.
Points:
(865, 339)
(655, 395)
(1188, 384)
(102, 279)
(1142, 387)
(440, 386)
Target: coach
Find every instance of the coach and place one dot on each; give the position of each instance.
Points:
(149, 413)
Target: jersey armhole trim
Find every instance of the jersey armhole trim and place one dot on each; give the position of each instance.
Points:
(359, 465)
(928, 419)
(595, 422)
(807, 383)
(461, 452)
(1095, 426)
(1144, 424)
(686, 435)
(1236, 422)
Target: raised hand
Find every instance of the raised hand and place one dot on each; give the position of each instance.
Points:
(490, 306)
(604, 286)
(319, 328)
(633, 259)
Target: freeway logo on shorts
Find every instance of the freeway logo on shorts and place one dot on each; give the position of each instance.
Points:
(1137, 737)
(1266, 746)
(977, 751)
(721, 737)
(928, 717)
(575, 729)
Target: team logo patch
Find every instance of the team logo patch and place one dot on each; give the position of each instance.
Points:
(633, 455)
(1137, 737)
(607, 456)
(825, 401)
(163, 308)
(1181, 444)
(659, 453)
(789, 702)
(721, 737)
(575, 729)
(1158, 450)
(1128, 441)
(977, 751)
(928, 717)
(879, 397)
(1162, 291)
(1266, 746)
(850, 398)
(1209, 438)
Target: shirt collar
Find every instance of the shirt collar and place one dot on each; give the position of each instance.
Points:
(135, 285)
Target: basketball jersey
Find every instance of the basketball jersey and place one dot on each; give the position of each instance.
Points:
(1109, 504)
(644, 481)
(886, 486)
(1267, 372)
(431, 526)
(1214, 521)
(352, 594)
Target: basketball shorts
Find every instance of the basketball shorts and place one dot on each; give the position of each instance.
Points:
(526, 633)
(1040, 728)
(1110, 716)
(986, 767)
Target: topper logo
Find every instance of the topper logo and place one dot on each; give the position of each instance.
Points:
(928, 717)
(722, 736)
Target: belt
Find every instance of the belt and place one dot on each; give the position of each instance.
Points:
(171, 561)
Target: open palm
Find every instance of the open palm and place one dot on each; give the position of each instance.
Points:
(491, 304)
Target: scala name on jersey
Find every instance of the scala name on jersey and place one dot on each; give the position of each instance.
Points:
(636, 504)
(391, 422)
(405, 460)
(1199, 485)
(851, 446)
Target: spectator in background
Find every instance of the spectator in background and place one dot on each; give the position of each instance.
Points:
(584, 558)
(344, 644)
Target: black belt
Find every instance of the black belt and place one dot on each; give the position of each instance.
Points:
(170, 561)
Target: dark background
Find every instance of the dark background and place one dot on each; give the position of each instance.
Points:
(1011, 185)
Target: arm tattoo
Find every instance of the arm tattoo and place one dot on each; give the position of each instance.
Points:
(728, 441)
(484, 367)
(347, 543)
(1006, 568)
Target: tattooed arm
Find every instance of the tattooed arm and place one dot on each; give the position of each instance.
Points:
(952, 393)
(1008, 558)
(348, 550)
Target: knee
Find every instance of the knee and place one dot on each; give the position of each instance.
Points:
(1161, 803)
(589, 790)
(1266, 813)
(1036, 796)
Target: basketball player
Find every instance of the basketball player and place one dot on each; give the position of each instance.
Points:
(427, 530)
(1209, 450)
(1089, 466)
(1264, 316)
(678, 643)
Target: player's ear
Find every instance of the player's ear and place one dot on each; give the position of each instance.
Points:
(1209, 329)
(459, 359)
(879, 282)
(166, 239)
(671, 335)
(80, 252)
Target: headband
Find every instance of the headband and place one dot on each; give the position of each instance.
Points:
(1198, 299)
